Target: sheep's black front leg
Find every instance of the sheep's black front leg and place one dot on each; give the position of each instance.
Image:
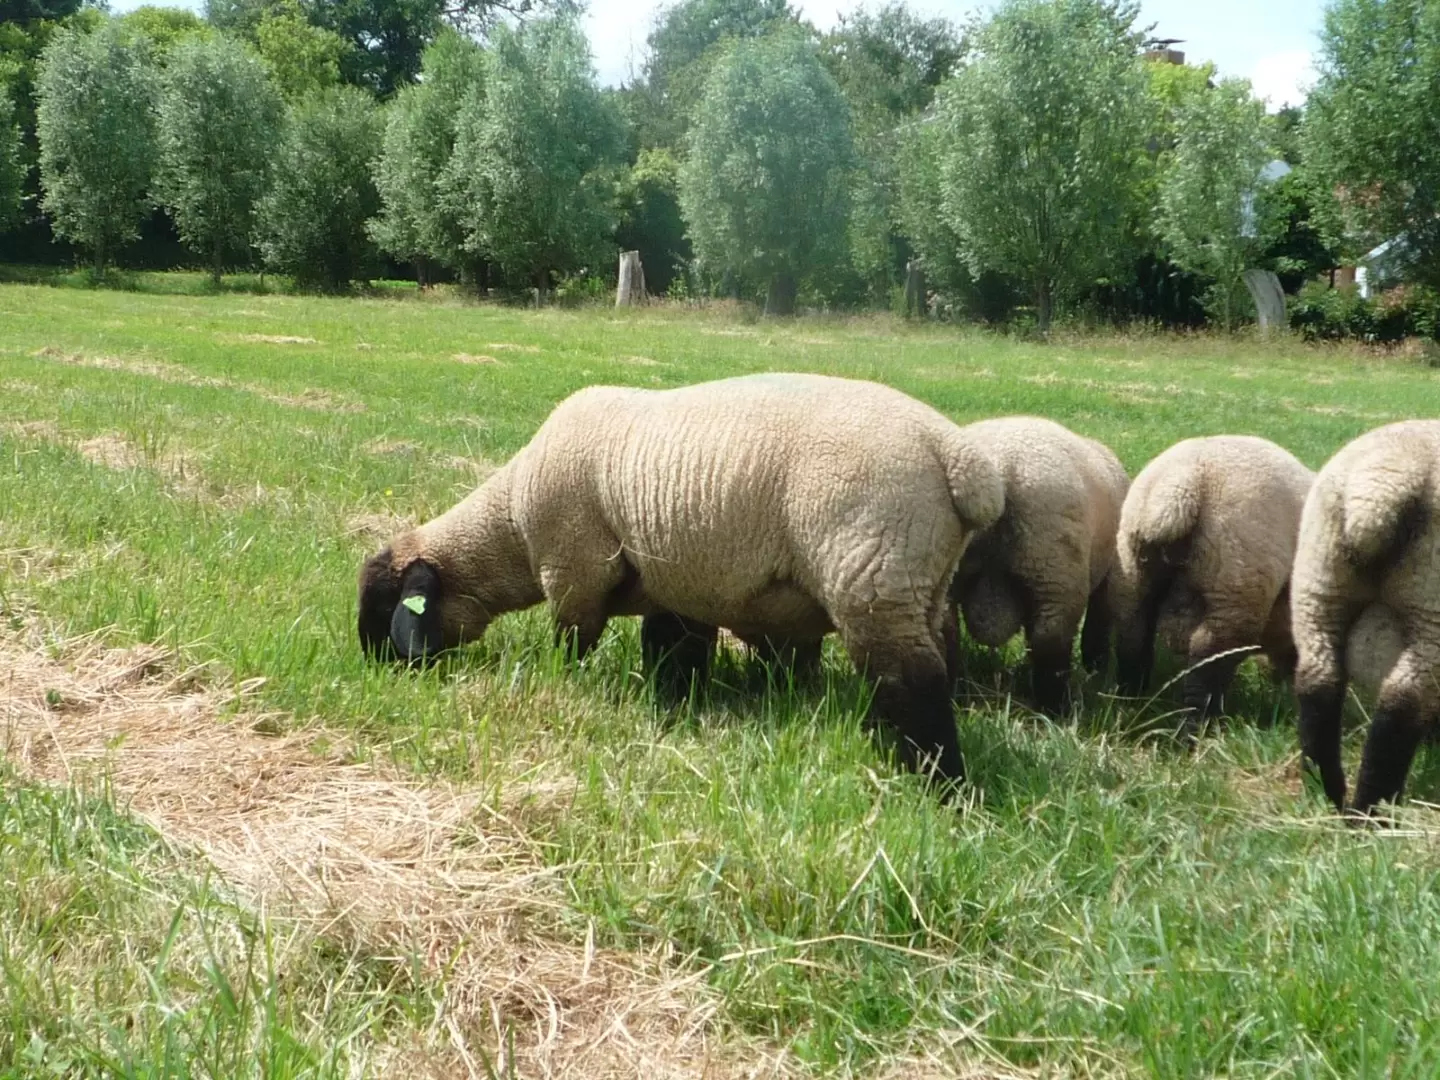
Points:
(1390, 747)
(1319, 725)
(676, 652)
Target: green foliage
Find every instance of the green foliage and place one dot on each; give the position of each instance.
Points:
(1300, 247)
(12, 165)
(650, 219)
(386, 38)
(219, 121)
(1044, 136)
(1372, 124)
(764, 190)
(1322, 313)
(96, 127)
(683, 47)
(419, 221)
(887, 64)
(19, 11)
(313, 219)
(162, 29)
(1209, 186)
(534, 155)
(304, 59)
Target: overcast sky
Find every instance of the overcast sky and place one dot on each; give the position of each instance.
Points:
(1271, 42)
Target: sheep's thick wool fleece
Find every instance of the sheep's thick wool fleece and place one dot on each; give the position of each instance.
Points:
(1237, 500)
(761, 503)
(1370, 537)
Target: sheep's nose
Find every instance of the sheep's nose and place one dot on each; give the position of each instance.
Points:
(416, 636)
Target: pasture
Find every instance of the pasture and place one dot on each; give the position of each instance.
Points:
(231, 848)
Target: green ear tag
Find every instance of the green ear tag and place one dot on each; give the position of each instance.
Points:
(415, 603)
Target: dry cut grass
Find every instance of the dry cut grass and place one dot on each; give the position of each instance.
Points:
(364, 855)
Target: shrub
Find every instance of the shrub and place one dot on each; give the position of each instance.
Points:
(1321, 313)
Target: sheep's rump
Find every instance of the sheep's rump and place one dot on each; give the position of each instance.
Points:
(1222, 515)
(753, 503)
(1055, 541)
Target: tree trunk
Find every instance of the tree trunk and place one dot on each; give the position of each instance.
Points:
(1044, 304)
(217, 264)
(631, 288)
(100, 259)
(780, 298)
(422, 273)
(914, 289)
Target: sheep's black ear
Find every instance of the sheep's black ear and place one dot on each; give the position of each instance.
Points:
(379, 593)
(415, 630)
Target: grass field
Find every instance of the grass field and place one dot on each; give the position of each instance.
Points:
(200, 477)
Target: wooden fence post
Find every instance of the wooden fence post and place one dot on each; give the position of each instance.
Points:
(631, 289)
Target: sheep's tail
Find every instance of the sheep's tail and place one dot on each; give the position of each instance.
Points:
(977, 489)
(1384, 508)
(1172, 508)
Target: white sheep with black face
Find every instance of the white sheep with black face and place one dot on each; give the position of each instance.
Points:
(1365, 599)
(1207, 537)
(1044, 565)
(780, 505)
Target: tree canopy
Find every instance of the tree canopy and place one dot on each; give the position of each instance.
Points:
(1044, 136)
(764, 189)
(219, 120)
(532, 151)
(1209, 194)
(96, 123)
(1373, 122)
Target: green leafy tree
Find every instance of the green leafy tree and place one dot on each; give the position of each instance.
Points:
(689, 36)
(888, 64)
(12, 166)
(1044, 136)
(535, 154)
(163, 29)
(1209, 215)
(650, 218)
(419, 222)
(1373, 122)
(303, 59)
(96, 127)
(218, 123)
(313, 218)
(764, 189)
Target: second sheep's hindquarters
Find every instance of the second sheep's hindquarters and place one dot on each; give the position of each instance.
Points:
(1045, 565)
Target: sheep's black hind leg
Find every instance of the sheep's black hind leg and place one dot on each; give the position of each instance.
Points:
(1095, 634)
(1135, 637)
(1390, 747)
(913, 708)
(1205, 688)
(676, 652)
(1319, 725)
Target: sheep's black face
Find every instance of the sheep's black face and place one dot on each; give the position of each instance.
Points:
(379, 595)
(416, 632)
(400, 612)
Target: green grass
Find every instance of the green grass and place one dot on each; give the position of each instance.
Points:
(121, 957)
(1106, 905)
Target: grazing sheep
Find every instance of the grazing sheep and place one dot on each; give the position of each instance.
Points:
(1043, 566)
(1366, 600)
(1207, 536)
(780, 505)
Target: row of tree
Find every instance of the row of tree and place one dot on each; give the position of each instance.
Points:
(1041, 158)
